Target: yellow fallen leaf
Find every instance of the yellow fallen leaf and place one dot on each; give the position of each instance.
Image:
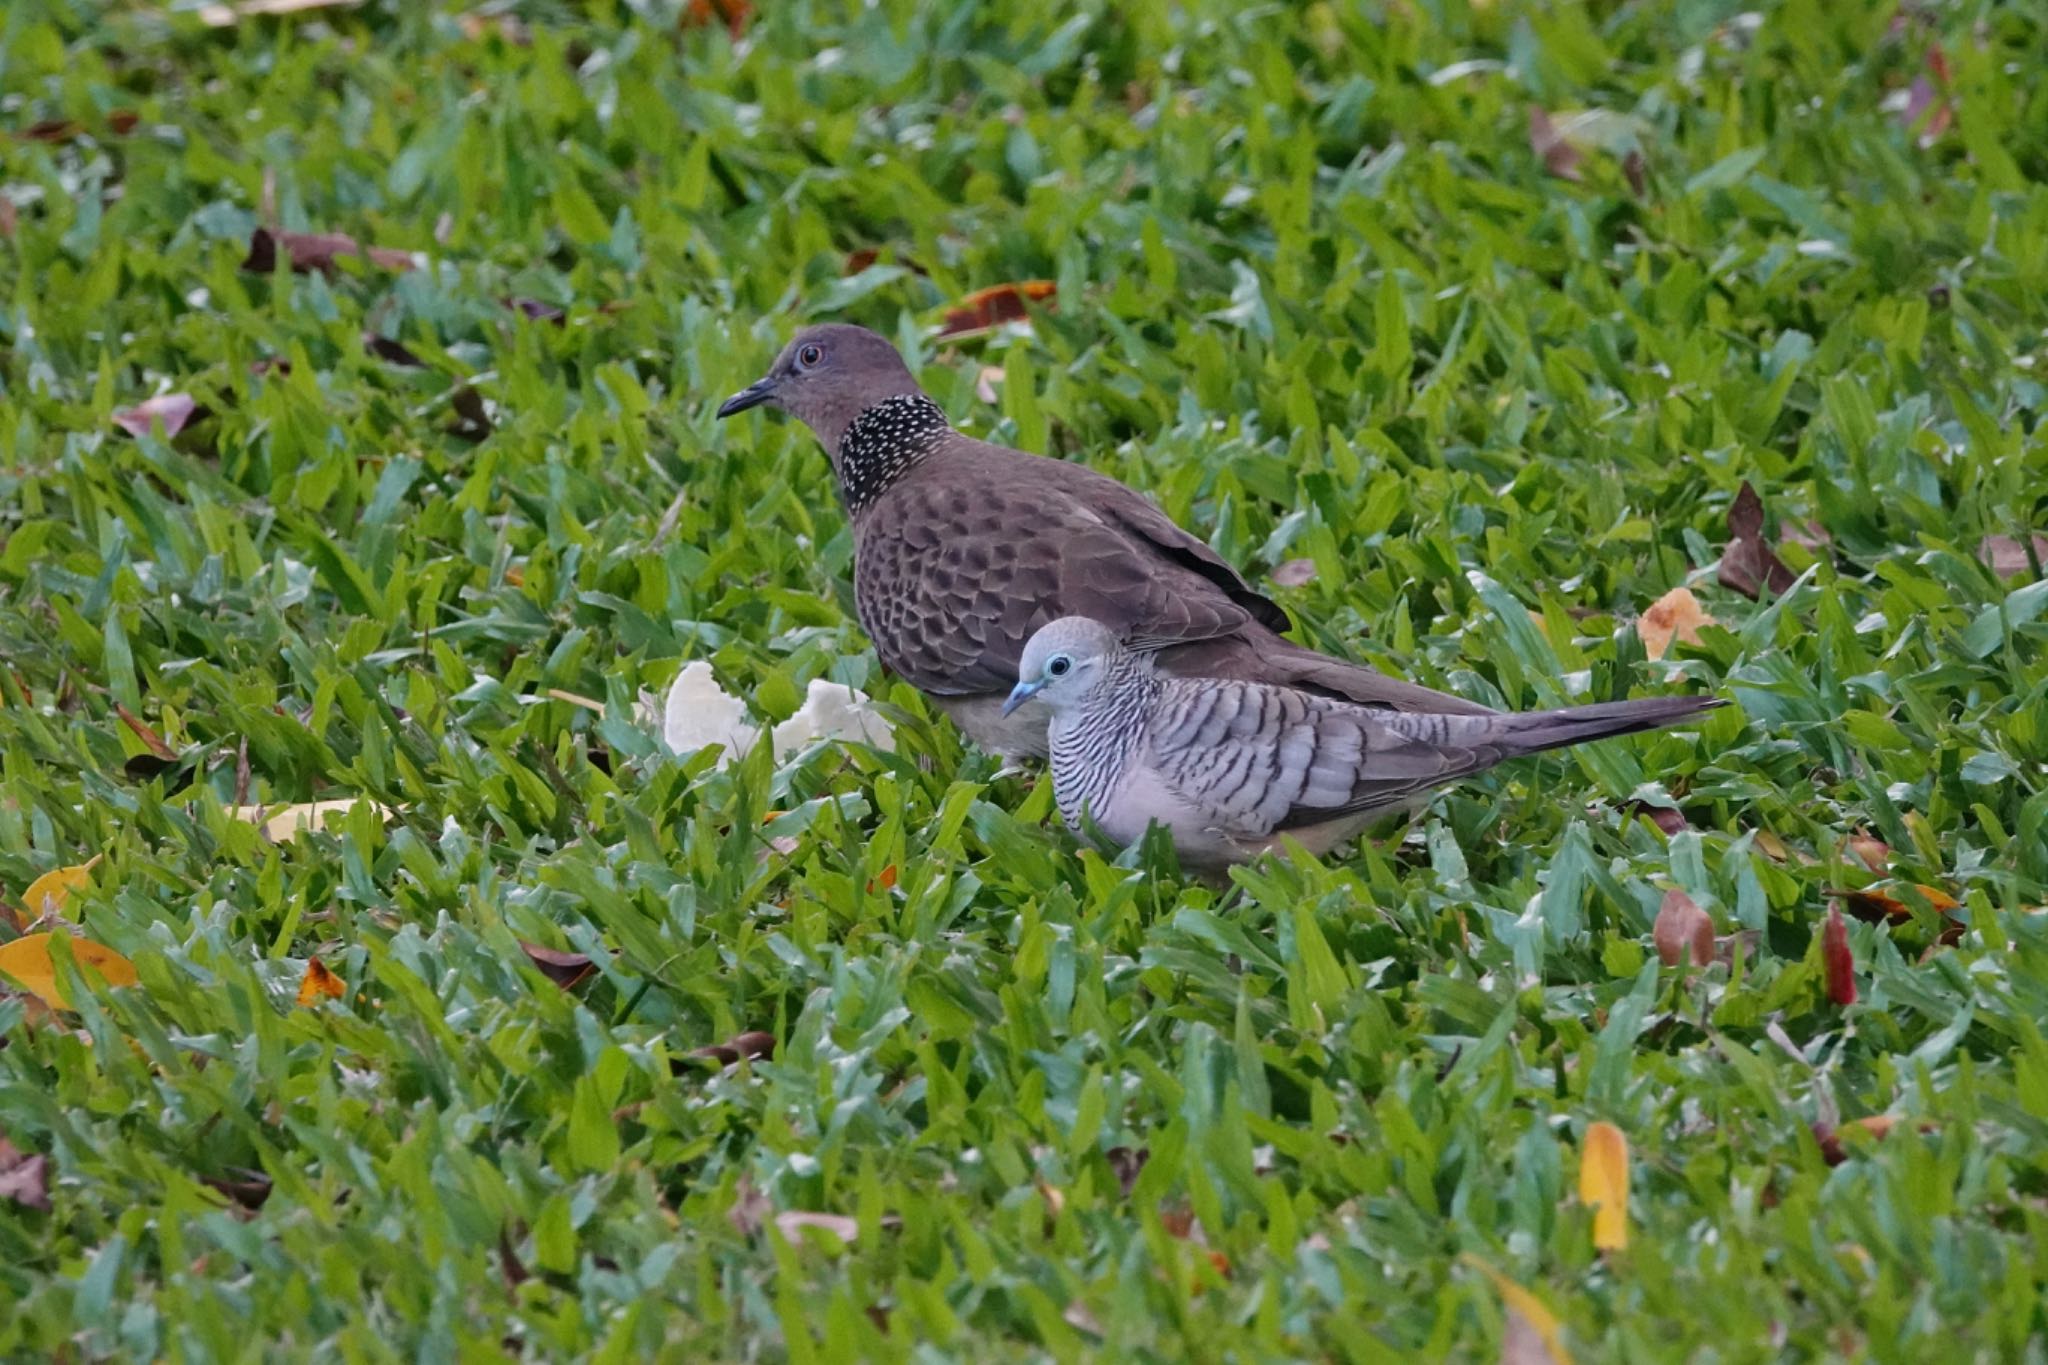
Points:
(1603, 1184)
(320, 984)
(1677, 614)
(47, 894)
(1528, 1313)
(281, 822)
(28, 961)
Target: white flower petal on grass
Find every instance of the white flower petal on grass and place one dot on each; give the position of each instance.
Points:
(698, 712)
(832, 711)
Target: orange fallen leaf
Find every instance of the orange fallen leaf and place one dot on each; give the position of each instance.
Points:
(1534, 1335)
(1676, 615)
(884, 880)
(733, 13)
(988, 308)
(27, 960)
(320, 984)
(1838, 963)
(1603, 1184)
(1683, 929)
(1875, 907)
(47, 894)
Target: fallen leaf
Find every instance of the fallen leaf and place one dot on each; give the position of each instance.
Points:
(1676, 615)
(47, 894)
(1295, 573)
(281, 822)
(1603, 1184)
(566, 970)
(1055, 1203)
(391, 352)
(250, 1189)
(2008, 556)
(50, 130)
(1926, 106)
(24, 1177)
(151, 740)
(226, 16)
(985, 383)
(1179, 1221)
(1552, 148)
(1636, 171)
(749, 1209)
(733, 13)
(1747, 564)
(1875, 907)
(1669, 819)
(320, 984)
(1878, 1126)
(28, 961)
(1837, 961)
(1128, 1163)
(310, 251)
(1533, 1335)
(175, 411)
(1683, 928)
(884, 880)
(792, 1222)
(472, 418)
(986, 309)
(536, 310)
(751, 1045)
(1872, 852)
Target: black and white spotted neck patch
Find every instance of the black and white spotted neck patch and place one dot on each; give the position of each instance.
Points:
(887, 439)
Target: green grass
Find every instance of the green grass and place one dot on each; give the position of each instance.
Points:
(1319, 296)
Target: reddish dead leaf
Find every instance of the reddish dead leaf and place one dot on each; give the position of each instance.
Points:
(175, 410)
(1295, 573)
(1552, 147)
(885, 880)
(1677, 615)
(1128, 1163)
(1683, 930)
(1872, 852)
(1830, 1139)
(1837, 961)
(991, 307)
(2008, 556)
(9, 218)
(566, 970)
(310, 251)
(320, 984)
(248, 1188)
(391, 352)
(536, 310)
(24, 1177)
(509, 1265)
(750, 1045)
(151, 740)
(732, 13)
(1927, 106)
(859, 259)
(50, 130)
(1747, 564)
(1666, 818)
(1178, 1220)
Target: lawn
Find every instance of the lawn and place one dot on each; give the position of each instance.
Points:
(1462, 327)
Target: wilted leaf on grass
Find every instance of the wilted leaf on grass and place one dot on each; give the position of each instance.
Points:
(320, 984)
(1747, 564)
(989, 308)
(47, 894)
(250, 1189)
(1666, 818)
(151, 740)
(1876, 1126)
(751, 1044)
(536, 311)
(1551, 146)
(732, 13)
(27, 960)
(1676, 615)
(310, 251)
(281, 822)
(391, 352)
(1875, 907)
(175, 411)
(1534, 1335)
(566, 970)
(24, 1177)
(228, 15)
(1872, 852)
(119, 122)
(1838, 963)
(2008, 556)
(1926, 104)
(885, 880)
(1603, 1184)
(1682, 929)
(1128, 1163)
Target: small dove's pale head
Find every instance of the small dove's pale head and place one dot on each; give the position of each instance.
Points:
(827, 376)
(1063, 662)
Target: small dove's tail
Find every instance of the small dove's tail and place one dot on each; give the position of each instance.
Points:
(1532, 732)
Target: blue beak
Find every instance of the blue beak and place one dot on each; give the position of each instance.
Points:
(1021, 693)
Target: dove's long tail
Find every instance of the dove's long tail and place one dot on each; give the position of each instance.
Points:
(1532, 732)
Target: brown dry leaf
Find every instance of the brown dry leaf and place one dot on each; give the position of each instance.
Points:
(1128, 1163)
(24, 1177)
(1552, 147)
(751, 1045)
(281, 822)
(1875, 907)
(392, 352)
(1830, 1139)
(47, 894)
(310, 251)
(1296, 573)
(986, 309)
(1669, 819)
(1872, 852)
(1837, 961)
(151, 740)
(228, 15)
(1683, 929)
(1636, 171)
(537, 311)
(472, 419)
(1747, 564)
(732, 13)
(792, 1223)
(248, 1188)
(27, 960)
(320, 984)
(566, 970)
(1676, 615)
(2008, 556)
(1603, 1184)
(175, 410)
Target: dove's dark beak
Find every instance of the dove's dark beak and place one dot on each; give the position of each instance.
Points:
(1021, 693)
(752, 396)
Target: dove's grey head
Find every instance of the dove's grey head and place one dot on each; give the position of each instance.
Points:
(1065, 661)
(826, 377)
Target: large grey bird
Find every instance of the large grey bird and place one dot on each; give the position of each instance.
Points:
(1229, 766)
(962, 549)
